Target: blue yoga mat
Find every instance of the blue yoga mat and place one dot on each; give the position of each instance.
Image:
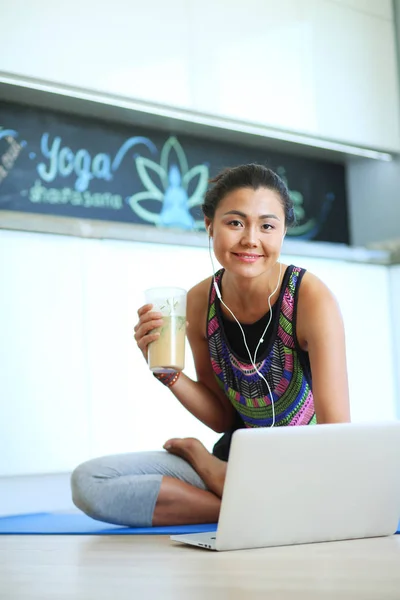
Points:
(80, 524)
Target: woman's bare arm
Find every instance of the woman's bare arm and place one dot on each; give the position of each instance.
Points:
(203, 398)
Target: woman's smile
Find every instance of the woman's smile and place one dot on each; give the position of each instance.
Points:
(247, 257)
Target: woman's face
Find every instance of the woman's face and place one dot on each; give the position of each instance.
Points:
(248, 229)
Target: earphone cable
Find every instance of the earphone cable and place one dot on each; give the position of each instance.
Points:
(252, 360)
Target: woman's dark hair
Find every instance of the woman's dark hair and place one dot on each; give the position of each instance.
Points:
(247, 176)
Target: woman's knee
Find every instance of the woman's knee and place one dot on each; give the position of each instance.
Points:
(82, 484)
(105, 494)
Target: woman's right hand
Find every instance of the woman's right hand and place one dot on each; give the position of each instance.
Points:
(144, 329)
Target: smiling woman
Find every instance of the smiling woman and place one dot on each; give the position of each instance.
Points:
(254, 236)
(269, 350)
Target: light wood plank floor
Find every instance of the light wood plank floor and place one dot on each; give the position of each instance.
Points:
(130, 567)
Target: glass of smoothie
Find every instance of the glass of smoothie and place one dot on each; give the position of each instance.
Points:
(167, 353)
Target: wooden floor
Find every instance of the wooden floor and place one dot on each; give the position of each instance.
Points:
(141, 567)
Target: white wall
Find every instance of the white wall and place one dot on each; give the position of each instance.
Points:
(395, 325)
(43, 361)
(322, 67)
(73, 384)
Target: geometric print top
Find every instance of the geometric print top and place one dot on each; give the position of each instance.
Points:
(283, 364)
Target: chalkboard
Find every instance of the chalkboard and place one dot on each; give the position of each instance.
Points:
(59, 164)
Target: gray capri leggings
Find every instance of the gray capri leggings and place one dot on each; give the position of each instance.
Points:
(123, 489)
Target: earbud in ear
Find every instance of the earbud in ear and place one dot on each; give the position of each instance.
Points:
(209, 230)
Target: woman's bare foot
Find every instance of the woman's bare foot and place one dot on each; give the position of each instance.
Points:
(211, 469)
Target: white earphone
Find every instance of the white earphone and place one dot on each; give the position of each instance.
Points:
(252, 359)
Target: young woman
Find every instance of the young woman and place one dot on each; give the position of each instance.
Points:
(269, 350)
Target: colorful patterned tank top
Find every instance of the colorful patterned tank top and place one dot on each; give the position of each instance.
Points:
(283, 364)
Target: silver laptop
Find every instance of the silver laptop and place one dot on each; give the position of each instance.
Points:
(296, 485)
